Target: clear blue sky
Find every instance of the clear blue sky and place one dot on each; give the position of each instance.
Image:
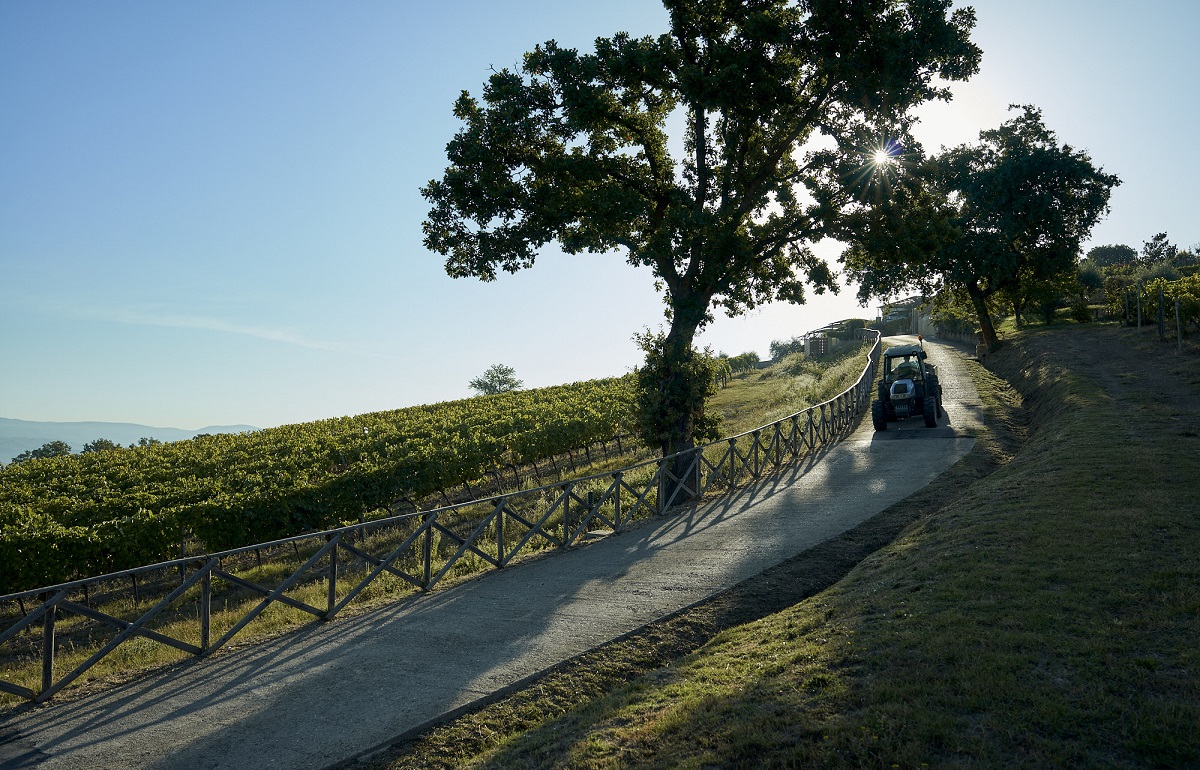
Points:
(209, 212)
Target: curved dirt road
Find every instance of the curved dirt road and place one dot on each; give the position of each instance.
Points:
(327, 693)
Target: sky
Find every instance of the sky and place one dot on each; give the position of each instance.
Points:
(210, 212)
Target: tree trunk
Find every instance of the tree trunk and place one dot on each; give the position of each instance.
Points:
(674, 388)
(979, 299)
(684, 410)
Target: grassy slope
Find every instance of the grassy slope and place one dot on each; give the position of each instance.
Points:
(1045, 616)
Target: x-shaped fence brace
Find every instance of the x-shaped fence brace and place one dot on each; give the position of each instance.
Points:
(681, 478)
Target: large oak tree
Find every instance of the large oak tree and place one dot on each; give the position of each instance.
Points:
(574, 147)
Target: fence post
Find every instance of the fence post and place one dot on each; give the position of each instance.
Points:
(427, 550)
(500, 532)
(659, 503)
(48, 644)
(566, 493)
(205, 607)
(333, 570)
(617, 502)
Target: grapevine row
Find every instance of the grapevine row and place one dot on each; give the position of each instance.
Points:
(67, 517)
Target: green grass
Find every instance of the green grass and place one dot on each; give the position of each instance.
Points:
(1040, 609)
(761, 397)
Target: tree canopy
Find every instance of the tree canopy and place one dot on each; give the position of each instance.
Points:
(49, 449)
(778, 103)
(1112, 254)
(497, 379)
(1006, 215)
(99, 445)
(1158, 249)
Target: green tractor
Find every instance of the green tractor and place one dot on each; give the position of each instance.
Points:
(909, 387)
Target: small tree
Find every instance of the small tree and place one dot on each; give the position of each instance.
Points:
(1158, 249)
(744, 362)
(497, 379)
(1113, 254)
(99, 445)
(665, 384)
(49, 449)
(1090, 279)
(781, 348)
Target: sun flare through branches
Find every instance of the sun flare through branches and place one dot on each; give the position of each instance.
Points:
(879, 171)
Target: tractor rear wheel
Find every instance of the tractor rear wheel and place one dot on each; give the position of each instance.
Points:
(930, 412)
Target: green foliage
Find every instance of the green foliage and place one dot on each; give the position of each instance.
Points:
(781, 348)
(1115, 254)
(722, 370)
(49, 449)
(497, 379)
(1158, 249)
(1155, 270)
(1004, 216)
(100, 445)
(664, 382)
(1186, 290)
(743, 362)
(1089, 278)
(1081, 312)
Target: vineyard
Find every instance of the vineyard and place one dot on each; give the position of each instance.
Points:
(67, 517)
(1184, 291)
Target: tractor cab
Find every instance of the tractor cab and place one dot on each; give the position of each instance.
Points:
(909, 387)
(905, 362)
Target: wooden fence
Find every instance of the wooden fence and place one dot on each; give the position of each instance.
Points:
(415, 550)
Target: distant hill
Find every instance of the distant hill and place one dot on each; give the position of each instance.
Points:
(17, 436)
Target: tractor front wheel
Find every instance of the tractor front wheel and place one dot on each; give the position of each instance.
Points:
(878, 417)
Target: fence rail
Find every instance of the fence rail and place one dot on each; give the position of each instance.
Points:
(409, 551)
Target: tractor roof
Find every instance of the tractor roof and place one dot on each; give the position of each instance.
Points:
(902, 350)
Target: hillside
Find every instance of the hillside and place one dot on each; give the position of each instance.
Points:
(17, 436)
(1037, 606)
